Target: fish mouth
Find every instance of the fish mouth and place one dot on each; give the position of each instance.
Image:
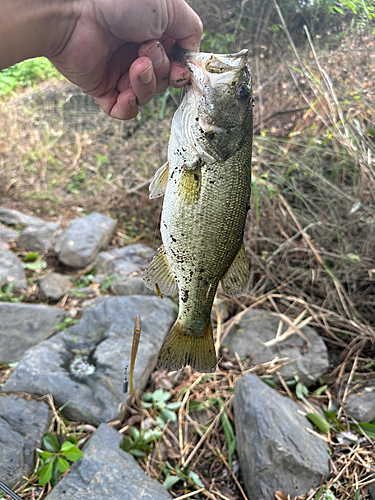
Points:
(208, 68)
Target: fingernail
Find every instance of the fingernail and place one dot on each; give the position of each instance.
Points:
(146, 76)
(133, 101)
(155, 53)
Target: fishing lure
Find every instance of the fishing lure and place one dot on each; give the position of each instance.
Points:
(136, 337)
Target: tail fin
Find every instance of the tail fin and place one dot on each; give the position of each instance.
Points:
(181, 349)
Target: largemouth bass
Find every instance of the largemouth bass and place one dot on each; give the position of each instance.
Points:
(206, 182)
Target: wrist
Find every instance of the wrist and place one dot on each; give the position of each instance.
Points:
(32, 28)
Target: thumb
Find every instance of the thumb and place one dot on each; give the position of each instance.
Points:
(184, 25)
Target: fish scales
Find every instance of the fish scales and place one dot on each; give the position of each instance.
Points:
(207, 184)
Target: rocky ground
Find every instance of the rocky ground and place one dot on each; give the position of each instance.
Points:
(65, 341)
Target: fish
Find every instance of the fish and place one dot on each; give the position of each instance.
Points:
(206, 183)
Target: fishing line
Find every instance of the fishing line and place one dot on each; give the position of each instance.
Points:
(9, 492)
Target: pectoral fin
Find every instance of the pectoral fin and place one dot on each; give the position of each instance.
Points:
(158, 276)
(159, 182)
(189, 187)
(235, 281)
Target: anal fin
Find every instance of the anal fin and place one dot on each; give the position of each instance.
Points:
(159, 182)
(235, 281)
(158, 276)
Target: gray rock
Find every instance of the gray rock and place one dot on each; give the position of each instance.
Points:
(134, 285)
(105, 332)
(38, 238)
(54, 286)
(14, 217)
(8, 234)
(11, 269)
(25, 325)
(124, 265)
(275, 450)
(220, 306)
(256, 327)
(371, 490)
(361, 403)
(107, 472)
(22, 426)
(79, 244)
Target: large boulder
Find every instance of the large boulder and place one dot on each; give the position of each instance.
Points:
(84, 365)
(79, 244)
(124, 266)
(107, 472)
(25, 325)
(11, 269)
(54, 286)
(14, 217)
(276, 452)
(22, 426)
(256, 327)
(360, 404)
(8, 234)
(38, 238)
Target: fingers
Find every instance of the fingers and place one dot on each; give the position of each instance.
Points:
(154, 50)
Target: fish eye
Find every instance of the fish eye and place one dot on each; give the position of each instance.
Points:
(243, 91)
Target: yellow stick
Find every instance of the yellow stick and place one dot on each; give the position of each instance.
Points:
(136, 337)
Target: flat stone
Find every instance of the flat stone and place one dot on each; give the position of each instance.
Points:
(25, 325)
(104, 335)
(14, 217)
(8, 234)
(275, 450)
(361, 403)
(371, 490)
(107, 472)
(125, 265)
(38, 238)
(79, 244)
(54, 286)
(11, 269)
(22, 426)
(256, 327)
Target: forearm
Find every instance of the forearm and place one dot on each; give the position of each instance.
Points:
(31, 28)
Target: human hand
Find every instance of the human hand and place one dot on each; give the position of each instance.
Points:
(120, 51)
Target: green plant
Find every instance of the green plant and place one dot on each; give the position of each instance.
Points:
(139, 441)
(157, 400)
(175, 474)
(216, 42)
(26, 73)
(6, 294)
(66, 323)
(34, 262)
(55, 460)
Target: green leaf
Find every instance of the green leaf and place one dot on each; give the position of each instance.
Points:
(147, 405)
(71, 452)
(174, 406)
(31, 256)
(195, 478)
(368, 428)
(320, 390)
(127, 443)
(168, 415)
(269, 381)
(301, 390)
(44, 454)
(135, 433)
(62, 464)
(170, 481)
(137, 453)
(320, 422)
(38, 264)
(161, 396)
(45, 474)
(50, 443)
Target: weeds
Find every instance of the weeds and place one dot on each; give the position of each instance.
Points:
(55, 460)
